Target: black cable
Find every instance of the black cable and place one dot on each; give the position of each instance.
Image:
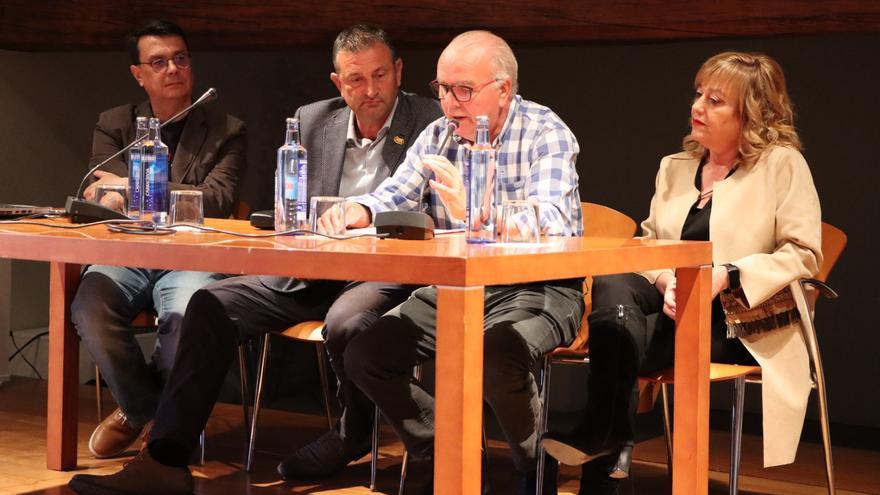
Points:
(139, 227)
(149, 228)
(18, 350)
(64, 225)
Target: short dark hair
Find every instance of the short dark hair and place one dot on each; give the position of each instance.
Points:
(360, 37)
(152, 28)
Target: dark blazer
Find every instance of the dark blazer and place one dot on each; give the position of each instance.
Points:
(324, 129)
(210, 157)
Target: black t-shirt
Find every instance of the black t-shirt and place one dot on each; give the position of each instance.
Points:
(171, 137)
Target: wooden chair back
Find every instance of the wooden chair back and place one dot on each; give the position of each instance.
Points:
(599, 221)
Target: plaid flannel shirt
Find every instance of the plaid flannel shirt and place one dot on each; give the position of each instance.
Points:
(535, 156)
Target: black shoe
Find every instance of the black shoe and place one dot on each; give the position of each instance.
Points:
(142, 476)
(573, 449)
(595, 479)
(528, 481)
(323, 457)
(620, 470)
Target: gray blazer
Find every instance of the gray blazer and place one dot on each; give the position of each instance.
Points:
(324, 129)
(210, 157)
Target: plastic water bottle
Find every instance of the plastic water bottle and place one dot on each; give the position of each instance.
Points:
(291, 181)
(480, 183)
(135, 172)
(154, 160)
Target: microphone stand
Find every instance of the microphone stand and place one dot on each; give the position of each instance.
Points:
(414, 225)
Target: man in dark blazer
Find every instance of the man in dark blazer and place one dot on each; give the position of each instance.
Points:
(354, 142)
(207, 153)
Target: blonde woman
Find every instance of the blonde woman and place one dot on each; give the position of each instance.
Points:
(742, 183)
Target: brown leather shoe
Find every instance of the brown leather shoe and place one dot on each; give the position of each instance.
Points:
(113, 436)
(142, 476)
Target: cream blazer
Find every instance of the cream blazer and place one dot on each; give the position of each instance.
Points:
(766, 220)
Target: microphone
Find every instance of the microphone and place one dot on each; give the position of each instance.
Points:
(451, 127)
(82, 211)
(415, 225)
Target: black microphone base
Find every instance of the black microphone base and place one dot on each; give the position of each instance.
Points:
(82, 211)
(411, 225)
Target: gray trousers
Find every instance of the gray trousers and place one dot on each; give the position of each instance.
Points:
(521, 324)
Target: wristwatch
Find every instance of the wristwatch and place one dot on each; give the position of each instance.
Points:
(733, 282)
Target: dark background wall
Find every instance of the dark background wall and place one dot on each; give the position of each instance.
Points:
(627, 103)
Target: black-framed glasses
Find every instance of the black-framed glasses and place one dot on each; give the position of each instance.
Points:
(181, 61)
(460, 92)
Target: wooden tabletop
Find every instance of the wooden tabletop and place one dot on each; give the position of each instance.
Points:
(446, 260)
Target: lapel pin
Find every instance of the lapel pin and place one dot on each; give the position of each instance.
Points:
(399, 140)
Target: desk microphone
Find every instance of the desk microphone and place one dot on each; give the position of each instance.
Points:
(415, 225)
(82, 211)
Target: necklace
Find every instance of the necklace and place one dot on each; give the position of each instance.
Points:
(707, 194)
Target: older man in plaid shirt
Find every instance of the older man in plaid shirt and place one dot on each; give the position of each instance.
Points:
(536, 154)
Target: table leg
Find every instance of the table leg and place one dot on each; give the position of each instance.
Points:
(690, 451)
(61, 421)
(459, 398)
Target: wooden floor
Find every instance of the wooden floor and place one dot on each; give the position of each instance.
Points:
(22, 457)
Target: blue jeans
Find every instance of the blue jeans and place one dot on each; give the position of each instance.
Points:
(107, 300)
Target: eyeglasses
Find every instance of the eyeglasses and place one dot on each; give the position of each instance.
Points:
(181, 61)
(461, 93)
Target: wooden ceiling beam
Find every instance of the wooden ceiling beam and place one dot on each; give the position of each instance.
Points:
(74, 25)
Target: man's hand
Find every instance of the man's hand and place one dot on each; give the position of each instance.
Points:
(114, 201)
(357, 215)
(332, 221)
(103, 178)
(448, 183)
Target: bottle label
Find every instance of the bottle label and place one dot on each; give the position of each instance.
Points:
(302, 190)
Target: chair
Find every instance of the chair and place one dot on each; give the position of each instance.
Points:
(311, 331)
(599, 221)
(307, 331)
(147, 321)
(806, 291)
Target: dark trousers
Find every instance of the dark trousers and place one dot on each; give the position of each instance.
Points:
(645, 342)
(521, 324)
(225, 313)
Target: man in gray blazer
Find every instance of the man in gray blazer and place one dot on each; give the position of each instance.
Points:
(354, 142)
(207, 153)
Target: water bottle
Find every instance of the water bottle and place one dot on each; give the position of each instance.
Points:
(291, 182)
(154, 160)
(480, 184)
(135, 172)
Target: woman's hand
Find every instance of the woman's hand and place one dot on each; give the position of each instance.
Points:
(665, 283)
(719, 280)
(448, 183)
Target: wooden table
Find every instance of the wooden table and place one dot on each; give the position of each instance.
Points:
(460, 271)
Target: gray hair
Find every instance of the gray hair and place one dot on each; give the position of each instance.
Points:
(504, 63)
(360, 37)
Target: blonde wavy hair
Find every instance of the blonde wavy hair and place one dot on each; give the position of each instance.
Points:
(763, 105)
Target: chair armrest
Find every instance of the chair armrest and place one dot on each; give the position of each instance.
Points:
(822, 287)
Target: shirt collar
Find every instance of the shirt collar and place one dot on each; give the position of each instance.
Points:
(352, 138)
